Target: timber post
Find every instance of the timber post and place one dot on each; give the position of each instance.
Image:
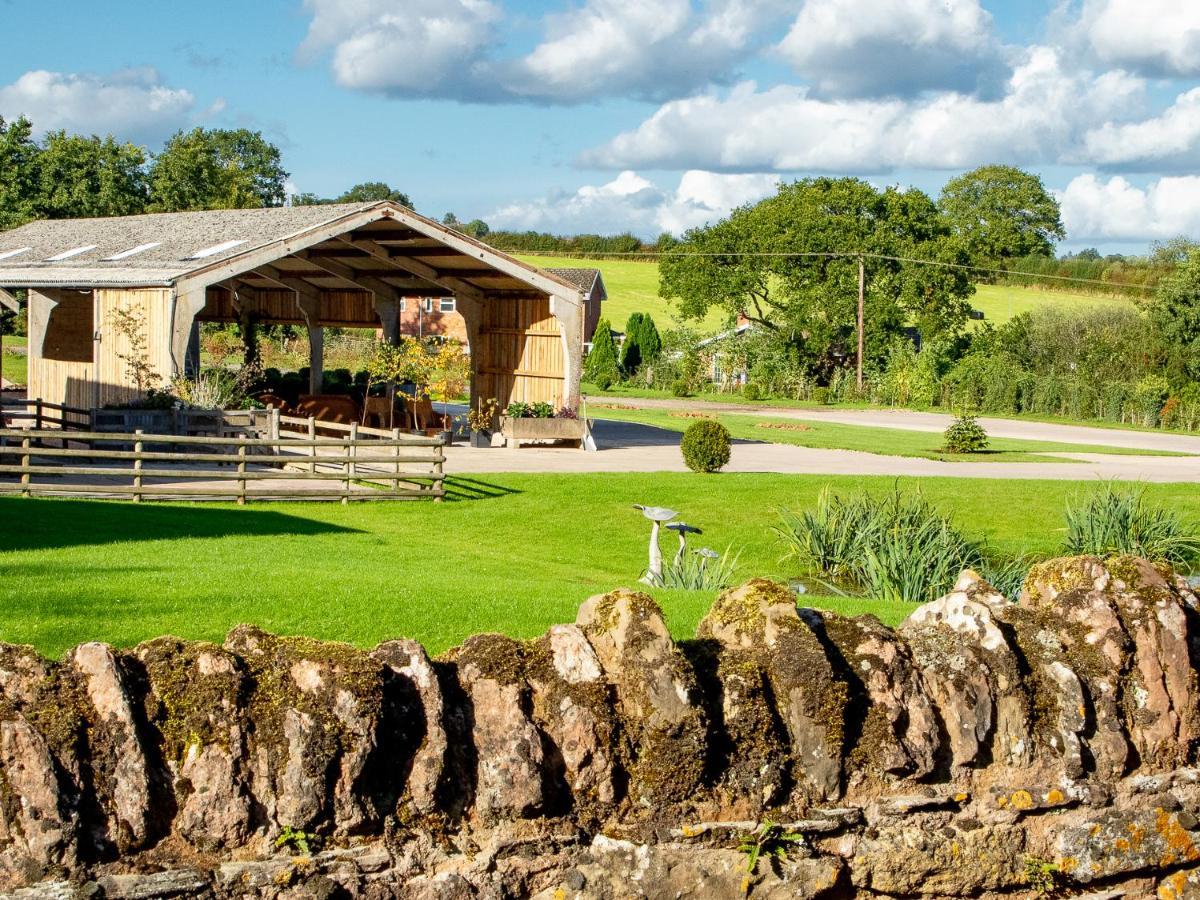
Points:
(137, 466)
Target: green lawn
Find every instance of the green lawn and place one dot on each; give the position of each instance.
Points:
(999, 302)
(885, 441)
(15, 367)
(520, 557)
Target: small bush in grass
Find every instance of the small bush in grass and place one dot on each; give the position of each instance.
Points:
(1117, 521)
(820, 395)
(680, 388)
(705, 446)
(752, 391)
(898, 547)
(965, 435)
(603, 381)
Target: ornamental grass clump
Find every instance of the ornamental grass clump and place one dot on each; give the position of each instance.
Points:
(965, 435)
(1116, 521)
(701, 570)
(899, 547)
(705, 446)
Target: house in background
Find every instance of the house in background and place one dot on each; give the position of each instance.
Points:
(439, 316)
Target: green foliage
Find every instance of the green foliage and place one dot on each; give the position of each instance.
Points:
(701, 570)
(768, 839)
(898, 548)
(965, 435)
(739, 265)
(216, 169)
(1044, 877)
(601, 363)
(541, 410)
(518, 410)
(752, 391)
(1175, 312)
(569, 245)
(642, 344)
(1002, 212)
(360, 193)
(83, 177)
(1115, 521)
(296, 840)
(820, 396)
(681, 388)
(18, 173)
(705, 446)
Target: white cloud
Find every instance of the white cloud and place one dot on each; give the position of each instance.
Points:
(896, 47)
(1116, 210)
(1170, 140)
(132, 104)
(1040, 118)
(1161, 37)
(446, 48)
(632, 203)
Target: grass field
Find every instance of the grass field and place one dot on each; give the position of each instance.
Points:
(885, 441)
(14, 366)
(633, 287)
(519, 558)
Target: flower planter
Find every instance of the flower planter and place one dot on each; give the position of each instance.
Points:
(523, 431)
(481, 438)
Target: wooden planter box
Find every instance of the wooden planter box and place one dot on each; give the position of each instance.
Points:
(520, 431)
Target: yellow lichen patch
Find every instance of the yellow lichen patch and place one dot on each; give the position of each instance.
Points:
(1021, 800)
(1055, 796)
(1121, 844)
(1002, 801)
(689, 831)
(1172, 887)
(1176, 836)
(1068, 864)
(961, 797)
(560, 894)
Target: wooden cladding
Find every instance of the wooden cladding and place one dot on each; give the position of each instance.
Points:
(342, 309)
(520, 352)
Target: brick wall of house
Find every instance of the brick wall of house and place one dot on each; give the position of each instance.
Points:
(432, 316)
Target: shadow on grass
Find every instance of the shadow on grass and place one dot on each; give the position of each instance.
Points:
(459, 487)
(42, 524)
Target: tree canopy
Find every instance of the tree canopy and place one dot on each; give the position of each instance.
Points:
(753, 265)
(360, 193)
(1175, 312)
(216, 169)
(1002, 213)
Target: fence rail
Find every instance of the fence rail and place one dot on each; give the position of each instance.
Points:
(40, 414)
(54, 462)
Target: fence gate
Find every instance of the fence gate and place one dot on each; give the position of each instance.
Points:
(520, 356)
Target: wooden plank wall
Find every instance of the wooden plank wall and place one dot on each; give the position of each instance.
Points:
(343, 309)
(60, 347)
(153, 308)
(520, 357)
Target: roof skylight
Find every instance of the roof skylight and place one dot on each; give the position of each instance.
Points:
(133, 251)
(214, 250)
(9, 254)
(67, 254)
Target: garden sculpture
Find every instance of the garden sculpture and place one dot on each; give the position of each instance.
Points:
(657, 516)
(683, 530)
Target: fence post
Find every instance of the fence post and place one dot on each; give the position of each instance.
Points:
(312, 449)
(353, 450)
(396, 453)
(241, 454)
(137, 468)
(346, 472)
(37, 406)
(438, 473)
(273, 423)
(25, 465)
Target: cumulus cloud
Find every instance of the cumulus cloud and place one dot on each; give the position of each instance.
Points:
(1160, 37)
(132, 104)
(854, 48)
(446, 48)
(1116, 210)
(631, 202)
(1041, 117)
(1170, 140)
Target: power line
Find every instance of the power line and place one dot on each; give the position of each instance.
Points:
(850, 254)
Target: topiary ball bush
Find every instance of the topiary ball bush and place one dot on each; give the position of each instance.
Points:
(821, 395)
(965, 435)
(681, 388)
(752, 391)
(705, 446)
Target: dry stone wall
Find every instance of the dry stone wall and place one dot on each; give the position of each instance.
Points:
(982, 749)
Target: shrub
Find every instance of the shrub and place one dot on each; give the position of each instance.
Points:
(1116, 521)
(965, 435)
(701, 570)
(518, 410)
(680, 388)
(896, 548)
(603, 381)
(601, 361)
(541, 410)
(821, 395)
(752, 391)
(705, 446)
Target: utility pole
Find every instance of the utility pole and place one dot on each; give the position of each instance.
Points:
(861, 294)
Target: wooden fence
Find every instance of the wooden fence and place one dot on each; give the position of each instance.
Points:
(38, 414)
(140, 465)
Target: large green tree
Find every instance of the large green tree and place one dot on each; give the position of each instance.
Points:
(83, 177)
(1002, 213)
(1175, 313)
(217, 169)
(18, 173)
(790, 265)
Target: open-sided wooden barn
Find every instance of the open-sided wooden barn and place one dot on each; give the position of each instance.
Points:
(343, 265)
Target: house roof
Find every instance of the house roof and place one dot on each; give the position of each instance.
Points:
(584, 279)
(380, 240)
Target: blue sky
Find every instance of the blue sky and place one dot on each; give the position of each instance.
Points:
(647, 115)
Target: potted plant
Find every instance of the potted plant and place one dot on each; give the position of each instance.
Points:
(482, 420)
(526, 422)
(449, 371)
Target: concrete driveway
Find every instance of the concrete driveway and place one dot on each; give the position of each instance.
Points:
(632, 447)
